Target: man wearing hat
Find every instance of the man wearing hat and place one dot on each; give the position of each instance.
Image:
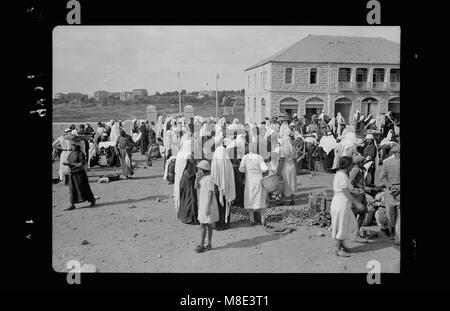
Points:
(390, 180)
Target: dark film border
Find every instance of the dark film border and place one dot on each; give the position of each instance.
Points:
(36, 52)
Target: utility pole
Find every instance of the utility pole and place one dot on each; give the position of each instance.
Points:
(179, 93)
(217, 93)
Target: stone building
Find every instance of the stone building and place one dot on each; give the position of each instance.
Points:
(101, 95)
(329, 73)
(74, 96)
(126, 96)
(140, 93)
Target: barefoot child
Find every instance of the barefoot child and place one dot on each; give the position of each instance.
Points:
(208, 212)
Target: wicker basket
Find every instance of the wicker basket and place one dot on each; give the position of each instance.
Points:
(272, 183)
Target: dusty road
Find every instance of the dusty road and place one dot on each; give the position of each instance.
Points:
(129, 231)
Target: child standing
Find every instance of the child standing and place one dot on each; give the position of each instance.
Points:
(208, 212)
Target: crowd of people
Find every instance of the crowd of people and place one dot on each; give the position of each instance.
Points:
(214, 164)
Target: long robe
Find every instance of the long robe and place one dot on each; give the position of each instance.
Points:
(188, 210)
(288, 171)
(80, 191)
(180, 165)
(255, 196)
(223, 175)
(115, 132)
(124, 145)
(144, 139)
(343, 221)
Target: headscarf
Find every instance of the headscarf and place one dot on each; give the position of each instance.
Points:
(219, 126)
(115, 132)
(180, 164)
(234, 125)
(355, 116)
(159, 127)
(222, 174)
(348, 141)
(388, 139)
(328, 143)
(284, 130)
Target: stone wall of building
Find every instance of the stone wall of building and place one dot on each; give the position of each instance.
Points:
(326, 89)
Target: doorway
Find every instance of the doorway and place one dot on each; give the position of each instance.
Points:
(344, 106)
(313, 106)
(289, 105)
(394, 107)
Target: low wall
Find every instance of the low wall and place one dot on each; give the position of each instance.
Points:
(59, 127)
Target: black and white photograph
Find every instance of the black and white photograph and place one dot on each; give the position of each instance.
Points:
(226, 149)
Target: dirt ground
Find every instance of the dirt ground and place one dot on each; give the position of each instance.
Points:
(130, 231)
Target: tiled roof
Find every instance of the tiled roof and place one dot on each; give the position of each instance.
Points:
(338, 49)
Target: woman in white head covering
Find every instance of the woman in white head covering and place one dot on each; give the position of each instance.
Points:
(187, 211)
(219, 127)
(284, 128)
(66, 147)
(115, 132)
(349, 145)
(346, 147)
(328, 144)
(236, 151)
(287, 169)
(234, 125)
(223, 175)
(159, 127)
(370, 153)
(180, 164)
(255, 195)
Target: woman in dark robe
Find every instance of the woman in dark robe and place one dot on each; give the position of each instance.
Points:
(188, 210)
(151, 135)
(238, 176)
(80, 191)
(144, 138)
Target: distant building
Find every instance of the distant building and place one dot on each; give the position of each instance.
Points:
(140, 93)
(203, 93)
(101, 95)
(114, 95)
(76, 97)
(125, 96)
(326, 73)
(60, 96)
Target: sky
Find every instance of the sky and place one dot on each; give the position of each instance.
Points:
(121, 58)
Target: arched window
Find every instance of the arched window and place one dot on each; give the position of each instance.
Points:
(289, 105)
(369, 106)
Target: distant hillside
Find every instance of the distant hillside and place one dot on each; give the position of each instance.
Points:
(120, 110)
